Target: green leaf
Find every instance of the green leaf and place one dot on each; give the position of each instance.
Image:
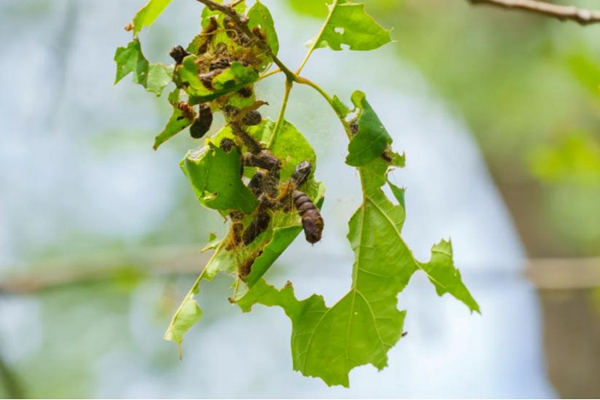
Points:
(230, 80)
(372, 138)
(349, 24)
(361, 328)
(285, 227)
(234, 78)
(445, 277)
(216, 178)
(313, 8)
(261, 17)
(182, 117)
(148, 14)
(153, 77)
(189, 312)
(340, 108)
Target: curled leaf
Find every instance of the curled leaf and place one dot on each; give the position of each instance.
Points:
(153, 77)
(216, 178)
(260, 17)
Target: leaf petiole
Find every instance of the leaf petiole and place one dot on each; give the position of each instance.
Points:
(317, 39)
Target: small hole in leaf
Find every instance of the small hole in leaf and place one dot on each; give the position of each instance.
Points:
(340, 30)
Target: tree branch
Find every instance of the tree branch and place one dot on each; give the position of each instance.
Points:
(563, 13)
(62, 274)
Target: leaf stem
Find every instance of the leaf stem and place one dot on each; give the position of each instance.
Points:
(316, 40)
(279, 123)
(194, 290)
(268, 74)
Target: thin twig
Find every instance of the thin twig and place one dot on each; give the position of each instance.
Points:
(563, 13)
(62, 274)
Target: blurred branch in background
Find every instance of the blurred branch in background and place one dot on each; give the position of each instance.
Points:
(555, 273)
(563, 13)
(9, 382)
(48, 276)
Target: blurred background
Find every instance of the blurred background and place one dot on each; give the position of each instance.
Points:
(499, 115)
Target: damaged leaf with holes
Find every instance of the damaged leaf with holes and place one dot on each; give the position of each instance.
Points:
(291, 146)
(153, 77)
(349, 25)
(259, 176)
(365, 324)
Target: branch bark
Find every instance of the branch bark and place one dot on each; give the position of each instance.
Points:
(62, 274)
(563, 13)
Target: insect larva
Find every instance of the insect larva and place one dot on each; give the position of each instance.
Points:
(252, 118)
(258, 225)
(235, 231)
(245, 92)
(178, 53)
(203, 123)
(257, 183)
(263, 159)
(301, 174)
(312, 221)
(227, 145)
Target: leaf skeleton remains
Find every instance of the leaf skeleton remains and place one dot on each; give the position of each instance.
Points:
(259, 175)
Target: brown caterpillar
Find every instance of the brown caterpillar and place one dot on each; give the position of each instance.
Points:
(245, 268)
(246, 92)
(271, 183)
(178, 53)
(207, 34)
(264, 160)
(235, 231)
(259, 225)
(203, 123)
(252, 118)
(257, 183)
(219, 64)
(312, 221)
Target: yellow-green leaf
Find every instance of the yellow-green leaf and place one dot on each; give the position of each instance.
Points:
(148, 14)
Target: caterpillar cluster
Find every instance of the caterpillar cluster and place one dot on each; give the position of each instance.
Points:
(221, 43)
(273, 197)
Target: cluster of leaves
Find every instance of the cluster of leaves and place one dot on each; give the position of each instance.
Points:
(216, 73)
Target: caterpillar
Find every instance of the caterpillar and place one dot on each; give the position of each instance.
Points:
(178, 53)
(252, 118)
(227, 145)
(235, 231)
(246, 92)
(219, 64)
(257, 183)
(264, 159)
(258, 225)
(312, 221)
(203, 123)
(301, 174)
